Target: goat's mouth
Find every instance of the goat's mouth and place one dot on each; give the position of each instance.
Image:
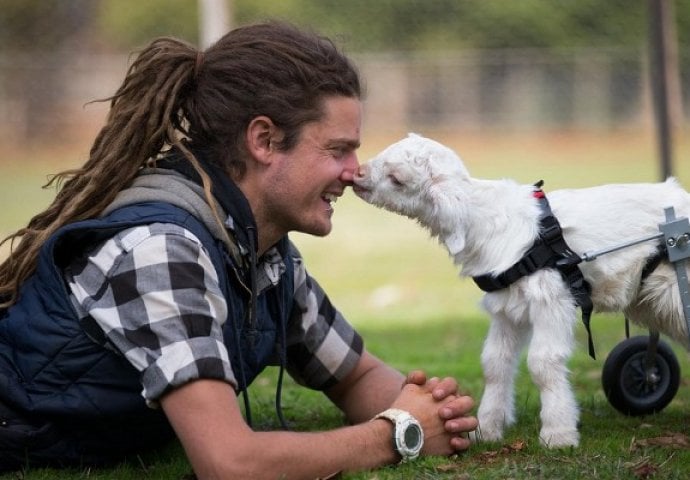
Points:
(360, 191)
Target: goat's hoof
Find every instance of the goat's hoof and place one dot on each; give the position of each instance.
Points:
(475, 436)
(484, 434)
(559, 438)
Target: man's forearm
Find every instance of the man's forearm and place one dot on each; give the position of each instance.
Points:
(371, 389)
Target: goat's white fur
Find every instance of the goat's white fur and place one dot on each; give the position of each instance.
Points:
(487, 225)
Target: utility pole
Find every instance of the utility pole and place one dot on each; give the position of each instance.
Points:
(215, 19)
(663, 68)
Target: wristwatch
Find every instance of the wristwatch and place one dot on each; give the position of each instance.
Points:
(408, 436)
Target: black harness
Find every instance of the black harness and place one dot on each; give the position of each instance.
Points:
(548, 251)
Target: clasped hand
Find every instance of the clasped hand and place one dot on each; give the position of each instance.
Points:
(441, 410)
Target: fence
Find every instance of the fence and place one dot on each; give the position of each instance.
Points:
(510, 90)
(44, 99)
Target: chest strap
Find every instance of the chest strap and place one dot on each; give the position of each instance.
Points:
(549, 250)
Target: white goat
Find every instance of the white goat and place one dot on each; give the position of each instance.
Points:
(488, 225)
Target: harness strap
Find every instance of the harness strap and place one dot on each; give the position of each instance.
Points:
(654, 261)
(549, 250)
(581, 290)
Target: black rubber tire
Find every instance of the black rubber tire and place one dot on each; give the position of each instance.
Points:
(624, 383)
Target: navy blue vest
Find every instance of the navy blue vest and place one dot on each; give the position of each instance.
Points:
(53, 366)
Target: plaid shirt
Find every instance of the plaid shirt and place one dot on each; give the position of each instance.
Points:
(155, 294)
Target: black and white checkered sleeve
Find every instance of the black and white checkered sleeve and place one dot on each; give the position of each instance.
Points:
(322, 346)
(154, 292)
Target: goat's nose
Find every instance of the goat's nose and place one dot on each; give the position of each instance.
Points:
(362, 171)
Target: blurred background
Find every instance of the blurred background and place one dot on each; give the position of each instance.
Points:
(574, 92)
(451, 65)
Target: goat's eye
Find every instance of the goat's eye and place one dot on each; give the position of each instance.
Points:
(394, 180)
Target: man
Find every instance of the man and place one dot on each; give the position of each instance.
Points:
(161, 281)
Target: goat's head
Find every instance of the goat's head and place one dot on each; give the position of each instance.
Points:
(421, 179)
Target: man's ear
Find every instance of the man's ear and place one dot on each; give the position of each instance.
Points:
(261, 136)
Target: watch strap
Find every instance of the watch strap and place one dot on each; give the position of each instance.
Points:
(392, 414)
(402, 420)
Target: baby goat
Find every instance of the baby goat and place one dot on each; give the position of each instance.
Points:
(488, 226)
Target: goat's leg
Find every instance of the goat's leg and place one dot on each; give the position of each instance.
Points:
(549, 351)
(499, 359)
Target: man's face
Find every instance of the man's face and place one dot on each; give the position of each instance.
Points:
(305, 182)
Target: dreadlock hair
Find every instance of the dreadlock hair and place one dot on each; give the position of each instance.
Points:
(174, 96)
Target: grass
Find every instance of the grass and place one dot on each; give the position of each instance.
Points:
(400, 290)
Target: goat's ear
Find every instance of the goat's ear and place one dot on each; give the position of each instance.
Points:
(455, 242)
(449, 211)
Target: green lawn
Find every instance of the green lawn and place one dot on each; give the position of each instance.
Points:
(613, 446)
(401, 291)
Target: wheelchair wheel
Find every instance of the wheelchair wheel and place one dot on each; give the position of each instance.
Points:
(626, 383)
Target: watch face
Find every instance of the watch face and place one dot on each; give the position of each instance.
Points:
(413, 436)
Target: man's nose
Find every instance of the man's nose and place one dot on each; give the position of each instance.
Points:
(351, 169)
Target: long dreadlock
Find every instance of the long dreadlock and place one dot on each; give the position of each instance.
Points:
(144, 117)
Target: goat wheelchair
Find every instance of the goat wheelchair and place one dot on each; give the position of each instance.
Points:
(641, 375)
